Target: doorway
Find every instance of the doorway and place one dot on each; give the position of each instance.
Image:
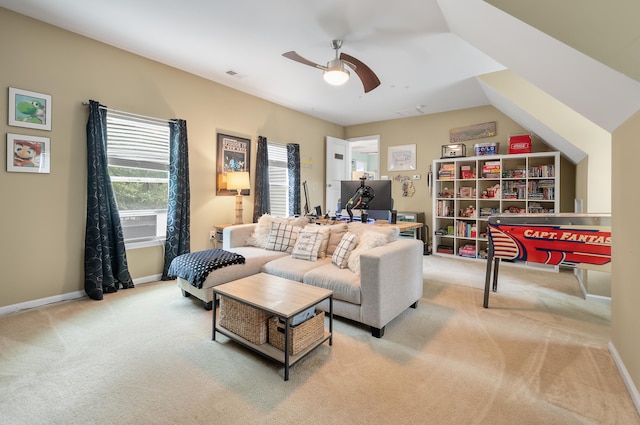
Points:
(349, 160)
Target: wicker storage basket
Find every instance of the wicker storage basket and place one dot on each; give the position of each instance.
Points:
(300, 337)
(247, 322)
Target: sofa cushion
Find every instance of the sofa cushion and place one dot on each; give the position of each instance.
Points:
(392, 232)
(307, 245)
(292, 268)
(343, 282)
(325, 231)
(282, 237)
(367, 241)
(254, 259)
(342, 252)
(263, 228)
(335, 236)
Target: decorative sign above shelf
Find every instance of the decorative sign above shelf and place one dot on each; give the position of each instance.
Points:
(472, 132)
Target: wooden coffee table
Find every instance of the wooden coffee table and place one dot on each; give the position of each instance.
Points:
(279, 297)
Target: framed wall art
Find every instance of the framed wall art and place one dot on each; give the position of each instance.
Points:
(29, 109)
(234, 154)
(28, 154)
(472, 132)
(401, 158)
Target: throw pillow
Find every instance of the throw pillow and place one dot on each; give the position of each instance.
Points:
(307, 245)
(263, 228)
(261, 233)
(346, 245)
(390, 231)
(297, 221)
(325, 231)
(337, 232)
(368, 240)
(282, 237)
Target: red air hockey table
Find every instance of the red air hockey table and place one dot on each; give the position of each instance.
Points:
(566, 240)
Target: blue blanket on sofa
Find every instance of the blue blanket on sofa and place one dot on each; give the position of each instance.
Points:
(196, 266)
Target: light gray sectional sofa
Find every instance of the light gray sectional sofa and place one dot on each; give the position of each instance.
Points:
(381, 278)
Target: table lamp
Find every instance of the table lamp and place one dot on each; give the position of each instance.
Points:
(238, 180)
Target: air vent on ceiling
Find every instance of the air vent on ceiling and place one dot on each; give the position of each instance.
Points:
(411, 112)
(235, 74)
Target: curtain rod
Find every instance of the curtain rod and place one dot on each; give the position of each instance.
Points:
(145, 117)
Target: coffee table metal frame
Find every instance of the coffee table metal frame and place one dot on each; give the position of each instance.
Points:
(260, 291)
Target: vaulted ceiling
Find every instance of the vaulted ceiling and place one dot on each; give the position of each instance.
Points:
(430, 55)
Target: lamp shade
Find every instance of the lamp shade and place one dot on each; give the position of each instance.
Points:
(238, 180)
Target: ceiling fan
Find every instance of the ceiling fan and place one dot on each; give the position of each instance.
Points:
(336, 72)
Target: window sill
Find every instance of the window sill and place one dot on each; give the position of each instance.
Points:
(145, 244)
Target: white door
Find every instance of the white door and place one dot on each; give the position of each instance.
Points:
(338, 166)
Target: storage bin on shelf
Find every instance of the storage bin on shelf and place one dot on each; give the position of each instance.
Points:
(243, 320)
(300, 336)
(520, 143)
(481, 149)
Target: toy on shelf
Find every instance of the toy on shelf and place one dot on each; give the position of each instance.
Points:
(469, 212)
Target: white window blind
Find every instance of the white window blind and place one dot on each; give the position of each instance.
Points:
(138, 156)
(137, 144)
(278, 179)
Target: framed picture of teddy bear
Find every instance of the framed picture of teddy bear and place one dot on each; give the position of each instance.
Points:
(28, 154)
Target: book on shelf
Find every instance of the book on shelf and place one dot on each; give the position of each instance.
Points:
(467, 251)
(542, 171)
(444, 249)
(466, 172)
(466, 229)
(444, 208)
(447, 171)
(516, 173)
(491, 169)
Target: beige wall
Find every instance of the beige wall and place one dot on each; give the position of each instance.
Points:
(43, 215)
(625, 290)
(429, 133)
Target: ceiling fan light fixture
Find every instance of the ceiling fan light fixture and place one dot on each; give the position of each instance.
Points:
(336, 74)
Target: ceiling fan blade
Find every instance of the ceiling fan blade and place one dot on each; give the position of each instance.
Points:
(296, 57)
(369, 79)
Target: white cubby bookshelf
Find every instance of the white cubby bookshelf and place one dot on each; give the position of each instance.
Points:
(468, 190)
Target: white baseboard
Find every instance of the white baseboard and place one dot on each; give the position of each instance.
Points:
(147, 279)
(64, 297)
(633, 391)
(41, 301)
(598, 298)
(579, 274)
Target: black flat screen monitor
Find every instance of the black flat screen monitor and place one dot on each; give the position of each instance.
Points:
(382, 199)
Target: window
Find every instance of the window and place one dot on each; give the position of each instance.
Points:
(278, 179)
(138, 154)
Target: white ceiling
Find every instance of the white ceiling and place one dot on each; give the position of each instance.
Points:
(426, 53)
(420, 63)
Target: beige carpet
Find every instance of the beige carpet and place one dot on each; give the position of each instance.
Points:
(538, 355)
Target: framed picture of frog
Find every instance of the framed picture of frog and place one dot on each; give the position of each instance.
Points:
(29, 109)
(28, 154)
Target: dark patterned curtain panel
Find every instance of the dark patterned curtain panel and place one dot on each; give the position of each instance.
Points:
(178, 211)
(293, 167)
(105, 258)
(261, 204)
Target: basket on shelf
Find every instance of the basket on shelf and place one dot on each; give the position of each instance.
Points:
(243, 320)
(300, 336)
